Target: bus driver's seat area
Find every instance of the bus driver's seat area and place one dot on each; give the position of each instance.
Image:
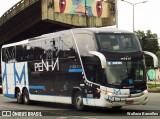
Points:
(106, 44)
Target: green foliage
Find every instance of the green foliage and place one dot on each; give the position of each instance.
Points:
(153, 85)
(158, 53)
(150, 42)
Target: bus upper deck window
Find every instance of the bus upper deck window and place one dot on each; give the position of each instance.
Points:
(127, 43)
(115, 45)
(106, 44)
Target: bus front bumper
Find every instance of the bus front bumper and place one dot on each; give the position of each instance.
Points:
(114, 101)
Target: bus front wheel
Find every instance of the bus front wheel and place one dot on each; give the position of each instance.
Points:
(26, 96)
(78, 101)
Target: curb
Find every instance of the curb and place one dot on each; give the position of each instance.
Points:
(153, 91)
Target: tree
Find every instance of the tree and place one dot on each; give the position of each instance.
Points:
(148, 40)
(158, 53)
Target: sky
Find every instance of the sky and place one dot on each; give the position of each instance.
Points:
(147, 15)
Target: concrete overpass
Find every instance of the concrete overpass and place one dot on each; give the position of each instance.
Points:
(30, 18)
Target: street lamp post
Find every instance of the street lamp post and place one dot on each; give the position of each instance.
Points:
(133, 5)
(116, 6)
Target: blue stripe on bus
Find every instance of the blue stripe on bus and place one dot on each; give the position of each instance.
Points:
(75, 70)
(50, 95)
(4, 77)
(10, 95)
(36, 87)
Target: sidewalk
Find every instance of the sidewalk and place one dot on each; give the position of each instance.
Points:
(153, 82)
(155, 89)
(0, 89)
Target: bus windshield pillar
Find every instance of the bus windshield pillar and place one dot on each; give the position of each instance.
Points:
(101, 57)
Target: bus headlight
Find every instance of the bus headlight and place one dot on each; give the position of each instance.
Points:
(109, 97)
(109, 94)
(145, 92)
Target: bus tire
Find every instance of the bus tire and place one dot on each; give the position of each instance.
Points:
(26, 98)
(19, 96)
(78, 101)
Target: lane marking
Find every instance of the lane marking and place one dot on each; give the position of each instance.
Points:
(89, 118)
(62, 117)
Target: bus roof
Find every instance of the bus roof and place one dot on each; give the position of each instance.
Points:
(67, 32)
(80, 30)
(16, 43)
(105, 30)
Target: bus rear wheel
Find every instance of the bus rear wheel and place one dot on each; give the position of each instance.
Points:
(19, 96)
(26, 98)
(78, 101)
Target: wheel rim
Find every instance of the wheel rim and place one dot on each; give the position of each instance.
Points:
(18, 96)
(79, 101)
(26, 97)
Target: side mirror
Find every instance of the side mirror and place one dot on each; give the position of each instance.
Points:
(155, 59)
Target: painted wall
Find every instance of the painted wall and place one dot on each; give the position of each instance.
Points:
(93, 7)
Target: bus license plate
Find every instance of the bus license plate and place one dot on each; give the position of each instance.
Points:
(129, 102)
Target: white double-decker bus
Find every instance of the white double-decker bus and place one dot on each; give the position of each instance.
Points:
(83, 66)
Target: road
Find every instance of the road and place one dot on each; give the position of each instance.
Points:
(61, 111)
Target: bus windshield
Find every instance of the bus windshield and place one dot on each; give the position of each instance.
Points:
(118, 42)
(125, 72)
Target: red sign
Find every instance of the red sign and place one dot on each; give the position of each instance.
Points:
(62, 5)
(99, 8)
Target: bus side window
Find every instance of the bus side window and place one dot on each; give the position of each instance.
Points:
(4, 58)
(69, 54)
(19, 53)
(38, 52)
(72, 53)
(90, 72)
(29, 52)
(8, 54)
(85, 43)
(66, 47)
(50, 48)
(93, 70)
